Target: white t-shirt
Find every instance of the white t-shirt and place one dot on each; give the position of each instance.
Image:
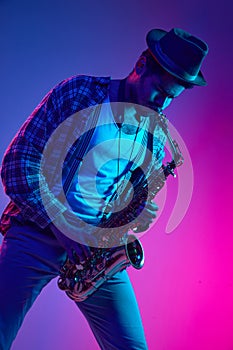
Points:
(104, 165)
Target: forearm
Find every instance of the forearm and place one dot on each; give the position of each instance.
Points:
(25, 185)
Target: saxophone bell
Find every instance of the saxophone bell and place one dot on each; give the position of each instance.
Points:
(134, 252)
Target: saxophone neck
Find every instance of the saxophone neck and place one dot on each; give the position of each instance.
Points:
(177, 157)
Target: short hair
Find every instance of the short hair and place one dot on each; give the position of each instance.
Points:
(151, 63)
(153, 66)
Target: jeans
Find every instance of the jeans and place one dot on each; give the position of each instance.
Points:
(29, 259)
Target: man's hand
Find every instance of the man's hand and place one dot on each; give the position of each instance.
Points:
(146, 217)
(77, 250)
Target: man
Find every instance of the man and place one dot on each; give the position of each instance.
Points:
(38, 227)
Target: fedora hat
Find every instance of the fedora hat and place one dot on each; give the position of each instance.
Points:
(179, 53)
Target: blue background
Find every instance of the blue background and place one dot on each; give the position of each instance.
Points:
(185, 287)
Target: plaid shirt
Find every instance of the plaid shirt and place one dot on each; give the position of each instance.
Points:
(21, 163)
(21, 166)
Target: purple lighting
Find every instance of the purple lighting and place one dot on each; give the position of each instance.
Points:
(185, 288)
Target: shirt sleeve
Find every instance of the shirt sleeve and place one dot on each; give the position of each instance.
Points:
(21, 176)
(27, 186)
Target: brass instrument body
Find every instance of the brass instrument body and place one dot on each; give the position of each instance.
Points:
(81, 281)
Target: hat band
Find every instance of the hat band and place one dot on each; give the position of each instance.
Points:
(173, 67)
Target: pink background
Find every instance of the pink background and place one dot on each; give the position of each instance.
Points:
(185, 287)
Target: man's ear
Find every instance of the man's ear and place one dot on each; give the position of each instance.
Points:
(140, 65)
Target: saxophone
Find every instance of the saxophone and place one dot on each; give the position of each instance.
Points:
(80, 281)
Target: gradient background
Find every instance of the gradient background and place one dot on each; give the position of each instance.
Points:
(185, 287)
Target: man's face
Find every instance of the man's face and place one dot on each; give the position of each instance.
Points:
(155, 91)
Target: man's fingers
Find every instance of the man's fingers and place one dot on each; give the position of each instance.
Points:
(149, 211)
(141, 227)
(152, 206)
(71, 255)
(146, 217)
(81, 252)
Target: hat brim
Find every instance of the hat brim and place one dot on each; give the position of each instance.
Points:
(154, 36)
